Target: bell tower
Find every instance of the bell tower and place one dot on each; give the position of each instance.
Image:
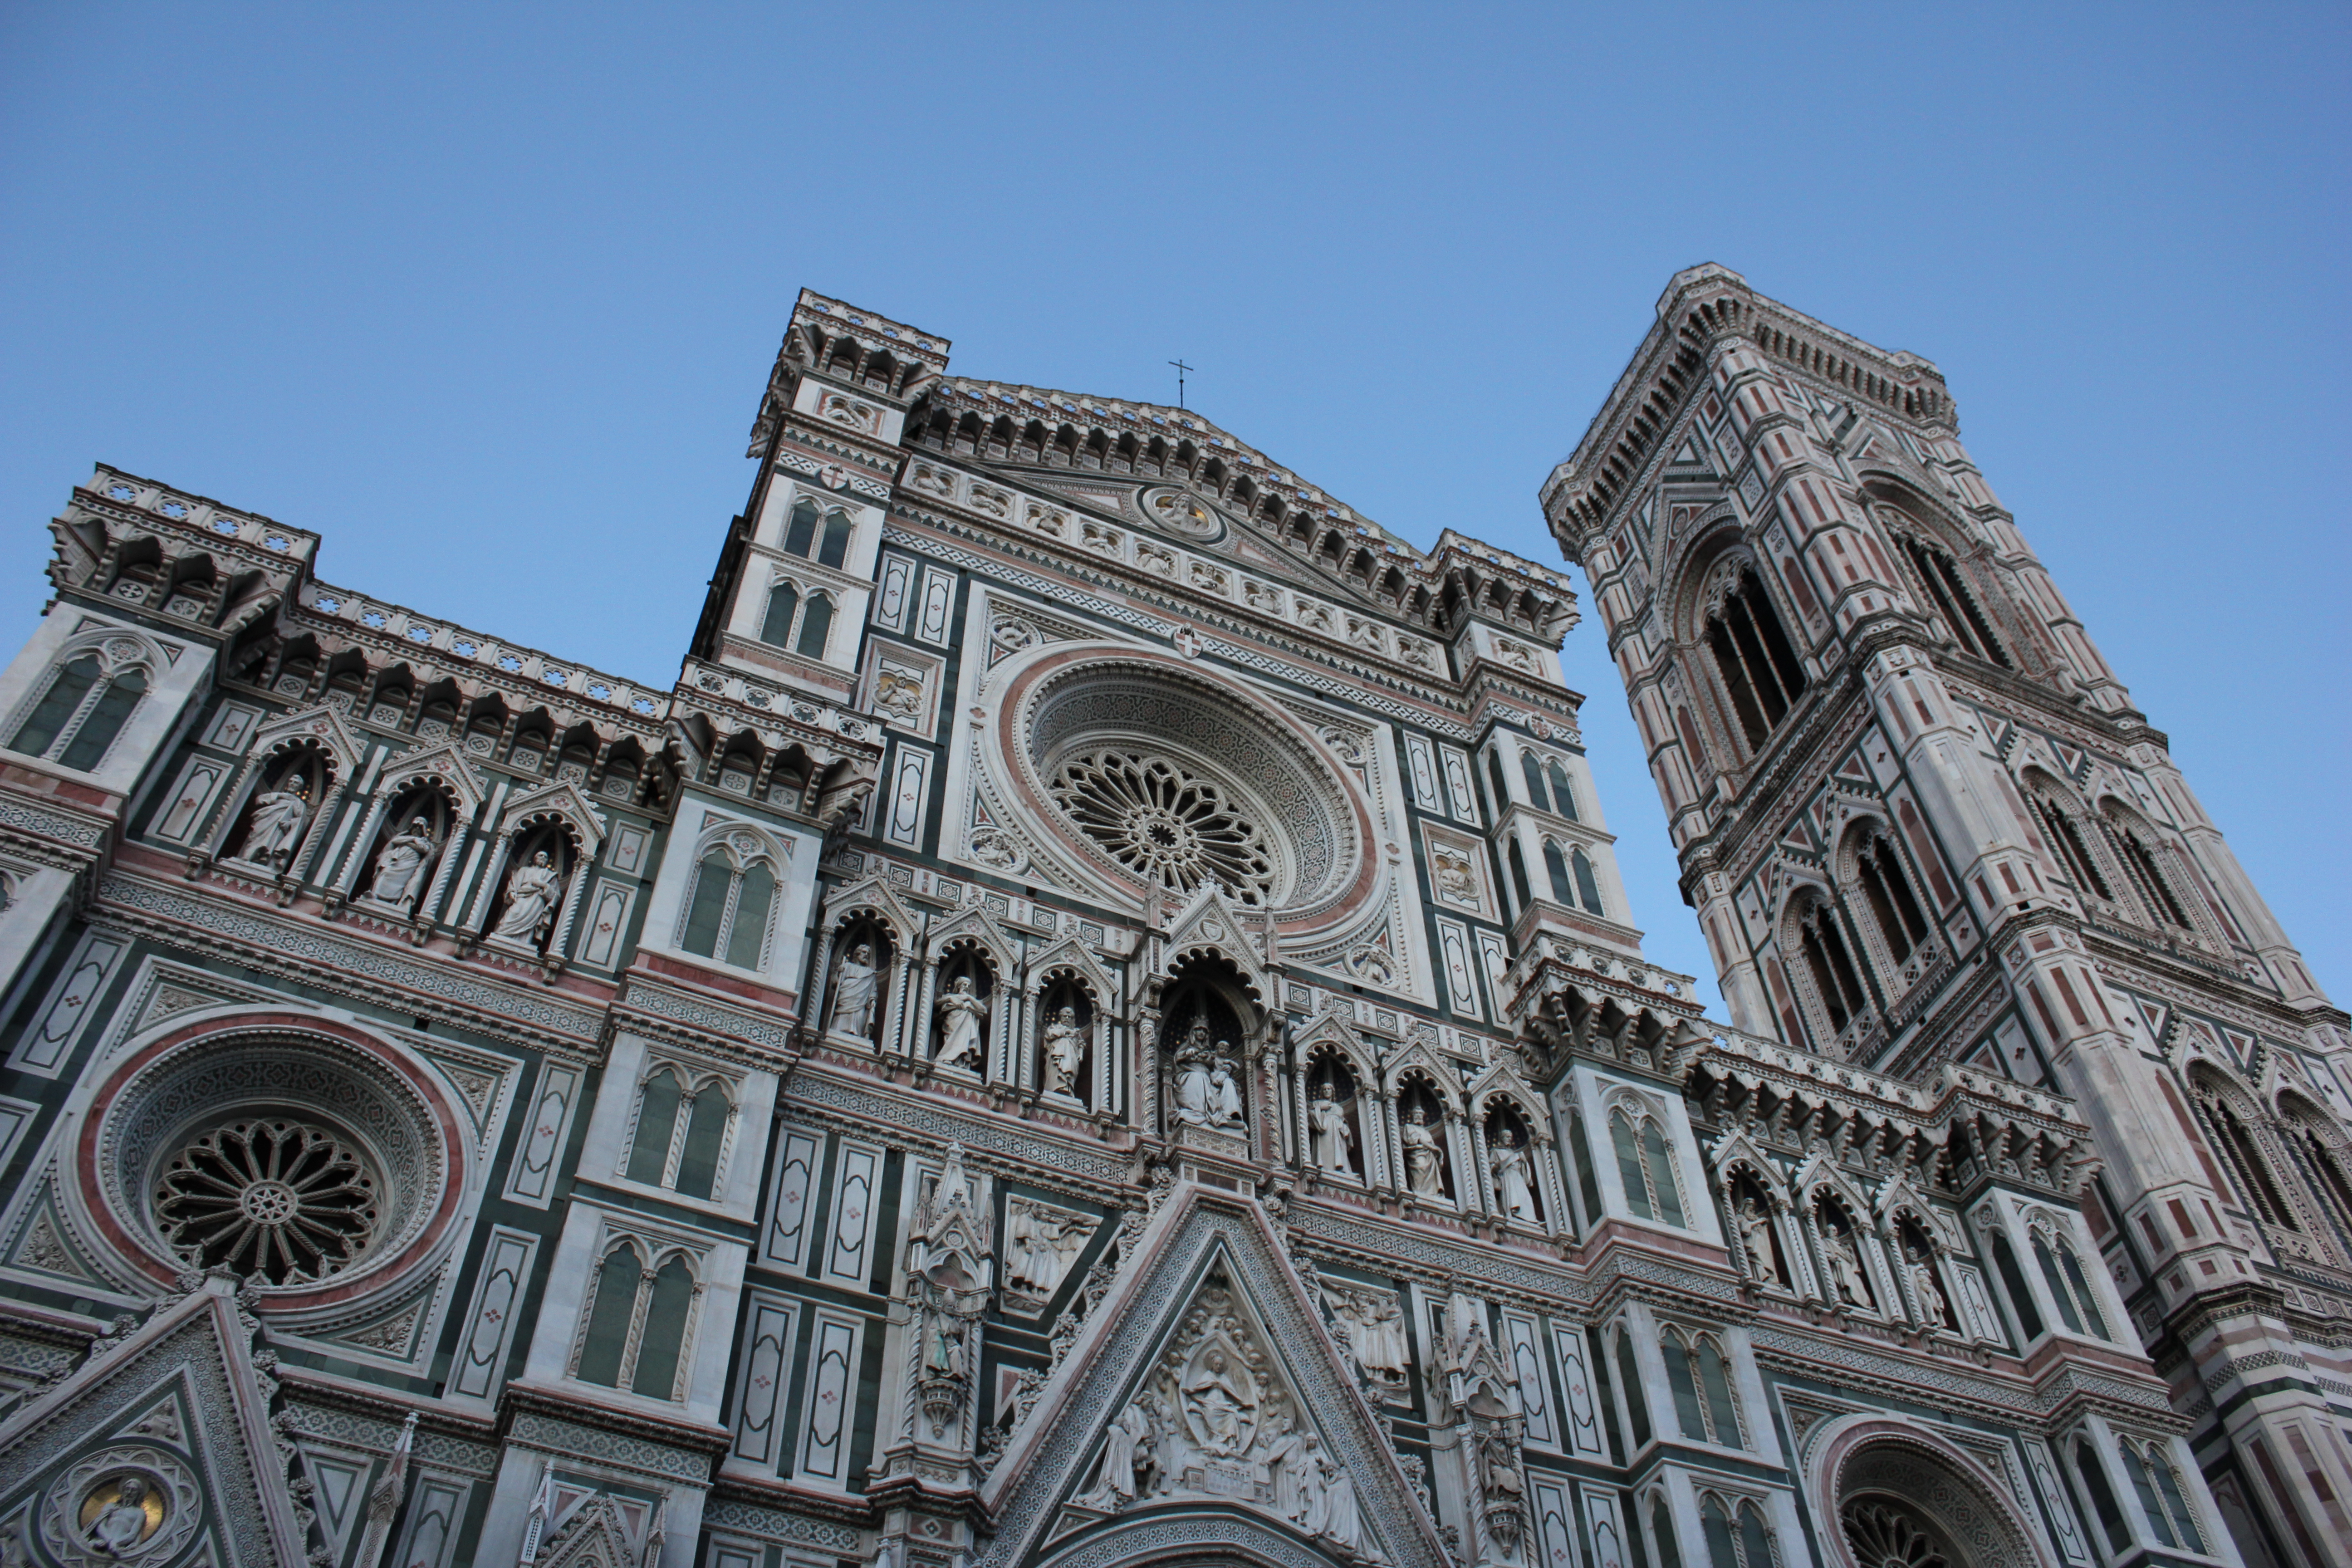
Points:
(1922, 823)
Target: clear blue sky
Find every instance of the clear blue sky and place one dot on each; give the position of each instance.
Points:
(486, 294)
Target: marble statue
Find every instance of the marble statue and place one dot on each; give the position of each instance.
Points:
(400, 869)
(1220, 1405)
(1126, 1449)
(120, 1526)
(1327, 1121)
(1039, 1244)
(1844, 1260)
(855, 983)
(1206, 1094)
(1934, 1305)
(1508, 1162)
(1424, 1155)
(1756, 1234)
(278, 819)
(963, 1017)
(532, 893)
(1065, 1051)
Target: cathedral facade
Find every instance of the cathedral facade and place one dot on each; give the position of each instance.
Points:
(1097, 1021)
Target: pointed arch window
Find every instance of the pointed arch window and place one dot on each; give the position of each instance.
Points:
(680, 1134)
(2241, 1151)
(2065, 836)
(729, 909)
(1556, 867)
(1894, 909)
(2162, 1498)
(835, 548)
(1736, 1535)
(1829, 964)
(2070, 1288)
(784, 608)
(1700, 1377)
(1533, 771)
(1941, 576)
(1563, 797)
(2012, 1280)
(1502, 796)
(2094, 1478)
(816, 627)
(78, 716)
(800, 534)
(1759, 670)
(1520, 876)
(638, 1322)
(2311, 1135)
(2143, 858)
(1645, 1166)
(1588, 885)
(1629, 1378)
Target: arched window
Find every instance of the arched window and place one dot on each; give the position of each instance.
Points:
(1564, 798)
(1829, 964)
(649, 1150)
(1629, 1379)
(1556, 867)
(2162, 1498)
(2012, 1280)
(1519, 875)
(1700, 1377)
(1645, 1166)
(836, 548)
(801, 532)
(1587, 887)
(2241, 1151)
(1502, 796)
(637, 1325)
(1533, 769)
(783, 604)
(1894, 909)
(729, 908)
(80, 715)
(2144, 858)
(2094, 1478)
(1662, 1531)
(680, 1134)
(816, 626)
(1736, 1535)
(2070, 1289)
(1940, 575)
(1759, 670)
(2065, 837)
(2313, 1137)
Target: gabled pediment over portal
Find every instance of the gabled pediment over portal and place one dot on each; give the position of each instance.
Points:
(158, 1446)
(1204, 1405)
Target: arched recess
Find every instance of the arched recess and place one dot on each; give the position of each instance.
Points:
(1187, 1535)
(1734, 643)
(1874, 1476)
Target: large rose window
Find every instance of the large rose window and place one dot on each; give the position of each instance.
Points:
(290, 1201)
(1150, 773)
(1165, 824)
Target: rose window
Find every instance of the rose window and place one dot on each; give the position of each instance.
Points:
(1165, 824)
(285, 1200)
(1884, 1537)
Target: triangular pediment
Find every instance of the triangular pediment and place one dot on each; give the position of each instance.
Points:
(565, 799)
(179, 1402)
(321, 727)
(443, 763)
(1205, 1379)
(1209, 923)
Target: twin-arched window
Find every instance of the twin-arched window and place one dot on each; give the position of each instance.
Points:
(801, 534)
(1761, 672)
(79, 714)
(2241, 1149)
(681, 1132)
(1737, 1533)
(1828, 963)
(1941, 576)
(1572, 876)
(1645, 1164)
(730, 907)
(638, 1319)
(802, 626)
(1547, 785)
(1894, 908)
(2162, 1498)
(2144, 857)
(2070, 1287)
(1700, 1375)
(2065, 837)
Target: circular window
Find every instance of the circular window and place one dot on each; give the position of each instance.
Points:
(1883, 1534)
(1164, 777)
(299, 1160)
(1165, 824)
(285, 1200)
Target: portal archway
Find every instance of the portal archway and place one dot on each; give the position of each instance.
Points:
(1193, 1537)
(1892, 1492)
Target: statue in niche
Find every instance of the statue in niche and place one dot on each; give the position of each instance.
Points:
(1206, 1094)
(1220, 1405)
(122, 1526)
(1844, 1260)
(963, 1017)
(1934, 1305)
(400, 869)
(1334, 1515)
(1508, 1160)
(1327, 1126)
(1424, 1155)
(1066, 1049)
(1504, 1487)
(856, 980)
(278, 819)
(532, 894)
(1374, 1331)
(1756, 1235)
